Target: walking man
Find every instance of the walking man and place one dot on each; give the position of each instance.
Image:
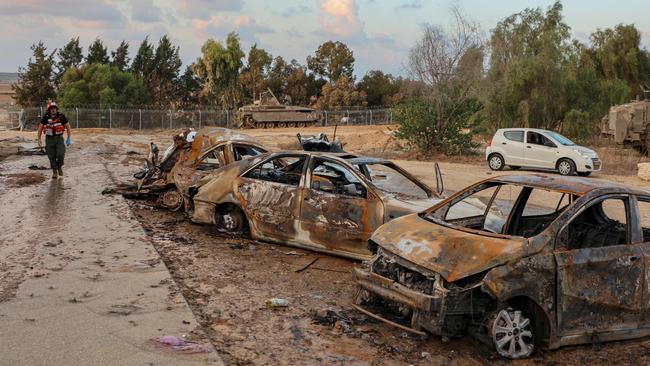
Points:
(53, 124)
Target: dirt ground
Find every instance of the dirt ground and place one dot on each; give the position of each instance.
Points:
(227, 280)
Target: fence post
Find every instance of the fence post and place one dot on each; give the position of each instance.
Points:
(199, 119)
(162, 121)
(110, 117)
(391, 115)
(170, 119)
(326, 118)
(77, 114)
(370, 115)
(347, 114)
(227, 119)
(140, 122)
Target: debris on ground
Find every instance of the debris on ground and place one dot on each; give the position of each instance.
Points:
(36, 167)
(320, 142)
(277, 303)
(179, 345)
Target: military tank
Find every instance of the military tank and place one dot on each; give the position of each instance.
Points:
(268, 112)
(629, 124)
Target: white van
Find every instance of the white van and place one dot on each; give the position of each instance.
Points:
(539, 149)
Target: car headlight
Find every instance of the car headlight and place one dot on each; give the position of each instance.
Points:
(583, 154)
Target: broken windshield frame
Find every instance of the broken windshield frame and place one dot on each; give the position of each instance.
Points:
(487, 223)
(388, 178)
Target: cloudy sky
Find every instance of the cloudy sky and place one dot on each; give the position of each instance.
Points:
(380, 32)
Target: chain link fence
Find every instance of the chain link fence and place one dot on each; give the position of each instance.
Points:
(147, 119)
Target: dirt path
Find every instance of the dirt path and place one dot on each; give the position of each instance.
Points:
(80, 283)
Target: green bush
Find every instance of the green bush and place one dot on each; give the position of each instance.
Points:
(428, 130)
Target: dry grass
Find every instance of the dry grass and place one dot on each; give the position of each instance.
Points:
(617, 161)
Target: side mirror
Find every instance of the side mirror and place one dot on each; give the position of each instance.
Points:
(440, 185)
(351, 190)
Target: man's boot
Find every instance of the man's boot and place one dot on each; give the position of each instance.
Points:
(60, 171)
(55, 173)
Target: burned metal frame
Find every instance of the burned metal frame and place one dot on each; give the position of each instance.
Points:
(468, 280)
(301, 215)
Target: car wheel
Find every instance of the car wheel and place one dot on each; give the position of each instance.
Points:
(511, 333)
(514, 167)
(566, 167)
(584, 174)
(172, 199)
(231, 220)
(495, 162)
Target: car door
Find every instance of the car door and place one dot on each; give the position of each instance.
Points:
(643, 214)
(269, 194)
(339, 211)
(540, 151)
(600, 271)
(513, 146)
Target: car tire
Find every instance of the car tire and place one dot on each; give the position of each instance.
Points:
(231, 220)
(566, 167)
(584, 174)
(172, 199)
(496, 162)
(514, 167)
(512, 333)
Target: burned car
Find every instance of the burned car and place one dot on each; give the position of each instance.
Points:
(541, 261)
(324, 202)
(191, 156)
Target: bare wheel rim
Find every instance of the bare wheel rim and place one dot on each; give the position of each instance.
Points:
(511, 334)
(172, 199)
(495, 162)
(232, 221)
(564, 167)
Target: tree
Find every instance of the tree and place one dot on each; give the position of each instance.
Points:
(143, 63)
(293, 83)
(340, 94)
(449, 63)
(219, 68)
(103, 85)
(380, 88)
(166, 66)
(120, 57)
(35, 84)
(71, 55)
(619, 56)
(97, 53)
(528, 73)
(188, 88)
(254, 74)
(332, 60)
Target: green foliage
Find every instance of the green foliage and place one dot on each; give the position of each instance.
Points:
(189, 87)
(35, 84)
(166, 66)
(340, 94)
(120, 57)
(253, 76)
(419, 125)
(219, 67)
(380, 88)
(332, 60)
(292, 83)
(97, 53)
(71, 55)
(143, 64)
(103, 85)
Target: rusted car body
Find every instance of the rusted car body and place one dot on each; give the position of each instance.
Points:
(187, 160)
(544, 260)
(319, 201)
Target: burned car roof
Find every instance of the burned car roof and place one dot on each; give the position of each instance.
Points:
(573, 185)
(368, 160)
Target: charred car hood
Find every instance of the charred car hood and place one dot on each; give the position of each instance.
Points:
(452, 253)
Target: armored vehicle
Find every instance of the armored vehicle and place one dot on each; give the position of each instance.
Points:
(268, 112)
(629, 124)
